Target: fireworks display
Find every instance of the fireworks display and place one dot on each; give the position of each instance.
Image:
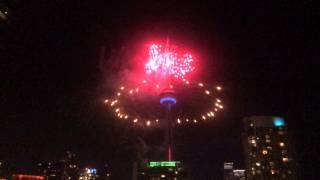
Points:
(197, 102)
(166, 68)
(165, 61)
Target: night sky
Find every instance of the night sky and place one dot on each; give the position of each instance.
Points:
(53, 79)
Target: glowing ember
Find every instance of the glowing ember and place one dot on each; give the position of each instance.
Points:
(165, 62)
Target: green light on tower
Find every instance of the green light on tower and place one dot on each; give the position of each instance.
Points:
(163, 163)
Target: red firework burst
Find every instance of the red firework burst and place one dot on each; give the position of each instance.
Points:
(165, 61)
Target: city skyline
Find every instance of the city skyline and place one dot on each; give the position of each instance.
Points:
(54, 81)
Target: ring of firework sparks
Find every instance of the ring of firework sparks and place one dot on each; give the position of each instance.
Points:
(139, 105)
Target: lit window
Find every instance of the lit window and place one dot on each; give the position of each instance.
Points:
(281, 144)
(268, 141)
(252, 140)
(271, 163)
(258, 164)
(272, 171)
(179, 121)
(285, 159)
(251, 124)
(269, 147)
(264, 152)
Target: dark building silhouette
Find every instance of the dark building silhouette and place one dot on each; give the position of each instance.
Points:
(105, 174)
(66, 168)
(2, 170)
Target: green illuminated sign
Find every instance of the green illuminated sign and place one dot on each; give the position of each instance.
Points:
(163, 163)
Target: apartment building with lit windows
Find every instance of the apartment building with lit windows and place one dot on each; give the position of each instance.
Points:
(267, 149)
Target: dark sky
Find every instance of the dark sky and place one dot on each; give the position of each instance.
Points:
(52, 83)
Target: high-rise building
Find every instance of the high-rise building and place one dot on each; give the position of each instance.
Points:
(267, 149)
